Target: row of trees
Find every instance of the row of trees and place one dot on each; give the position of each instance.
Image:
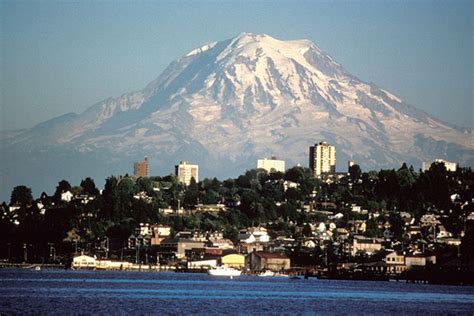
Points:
(253, 198)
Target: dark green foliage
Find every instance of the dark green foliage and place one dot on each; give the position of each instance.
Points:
(254, 198)
(21, 196)
(88, 187)
(63, 186)
(355, 173)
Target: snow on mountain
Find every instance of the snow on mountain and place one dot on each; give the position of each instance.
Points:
(227, 103)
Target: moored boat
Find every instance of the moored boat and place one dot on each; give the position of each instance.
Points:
(224, 271)
(267, 273)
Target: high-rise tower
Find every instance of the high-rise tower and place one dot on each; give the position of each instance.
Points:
(140, 169)
(322, 159)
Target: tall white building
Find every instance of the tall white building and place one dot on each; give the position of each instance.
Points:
(322, 159)
(186, 171)
(271, 165)
(450, 166)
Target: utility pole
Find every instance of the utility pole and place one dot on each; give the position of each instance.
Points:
(52, 252)
(137, 250)
(107, 247)
(25, 253)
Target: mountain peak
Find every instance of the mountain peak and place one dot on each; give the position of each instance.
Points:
(226, 103)
(246, 36)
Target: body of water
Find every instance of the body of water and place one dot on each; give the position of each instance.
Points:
(106, 292)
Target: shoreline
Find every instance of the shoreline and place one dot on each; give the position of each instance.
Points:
(157, 269)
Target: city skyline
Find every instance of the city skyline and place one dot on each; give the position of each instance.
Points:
(303, 148)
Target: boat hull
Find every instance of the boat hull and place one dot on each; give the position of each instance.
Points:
(224, 272)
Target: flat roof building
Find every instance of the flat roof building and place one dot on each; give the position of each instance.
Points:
(322, 159)
(140, 169)
(271, 165)
(186, 171)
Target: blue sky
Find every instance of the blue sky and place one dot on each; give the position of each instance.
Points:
(64, 56)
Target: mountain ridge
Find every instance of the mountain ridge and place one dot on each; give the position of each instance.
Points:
(226, 103)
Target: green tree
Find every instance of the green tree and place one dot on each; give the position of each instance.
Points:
(191, 194)
(125, 189)
(88, 187)
(145, 184)
(355, 173)
(250, 204)
(63, 186)
(21, 195)
(110, 197)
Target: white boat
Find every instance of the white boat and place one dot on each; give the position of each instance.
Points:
(224, 271)
(267, 273)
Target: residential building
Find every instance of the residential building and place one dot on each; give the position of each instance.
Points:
(290, 185)
(253, 235)
(159, 232)
(261, 260)
(186, 171)
(176, 247)
(271, 165)
(395, 262)
(367, 245)
(221, 243)
(322, 159)
(67, 196)
(429, 220)
(140, 169)
(247, 248)
(419, 260)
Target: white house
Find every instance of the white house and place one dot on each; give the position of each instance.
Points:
(221, 243)
(67, 196)
(254, 234)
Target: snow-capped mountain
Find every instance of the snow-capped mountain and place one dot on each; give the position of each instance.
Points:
(225, 104)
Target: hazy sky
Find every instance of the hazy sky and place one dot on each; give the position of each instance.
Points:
(64, 56)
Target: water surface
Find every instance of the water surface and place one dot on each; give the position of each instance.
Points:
(106, 292)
